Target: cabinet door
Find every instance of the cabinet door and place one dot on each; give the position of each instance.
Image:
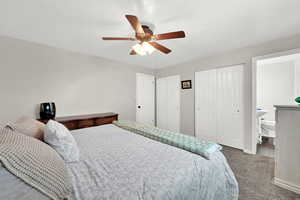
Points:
(230, 120)
(205, 105)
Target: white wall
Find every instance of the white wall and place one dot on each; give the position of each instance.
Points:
(79, 84)
(297, 78)
(239, 56)
(275, 86)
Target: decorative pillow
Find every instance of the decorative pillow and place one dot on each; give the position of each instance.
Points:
(29, 127)
(36, 163)
(61, 139)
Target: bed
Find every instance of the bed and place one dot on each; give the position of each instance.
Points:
(118, 164)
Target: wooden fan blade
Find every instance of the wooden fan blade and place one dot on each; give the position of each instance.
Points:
(135, 23)
(117, 38)
(171, 35)
(160, 47)
(132, 52)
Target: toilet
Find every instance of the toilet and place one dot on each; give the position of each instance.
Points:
(265, 128)
(268, 128)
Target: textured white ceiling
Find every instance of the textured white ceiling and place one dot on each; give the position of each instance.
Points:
(211, 26)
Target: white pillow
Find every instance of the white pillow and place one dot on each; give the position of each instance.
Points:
(61, 139)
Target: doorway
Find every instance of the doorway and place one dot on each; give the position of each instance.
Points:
(275, 81)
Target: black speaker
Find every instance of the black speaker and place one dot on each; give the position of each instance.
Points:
(47, 110)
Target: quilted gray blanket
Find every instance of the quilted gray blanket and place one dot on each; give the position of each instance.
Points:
(117, 164)
(179, 140)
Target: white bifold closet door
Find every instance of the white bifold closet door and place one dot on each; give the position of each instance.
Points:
(168, 103)
(219, 105)
(230, 117)
(145, 98)
(205, 105)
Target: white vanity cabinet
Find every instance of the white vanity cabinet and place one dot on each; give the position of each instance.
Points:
(287, 150)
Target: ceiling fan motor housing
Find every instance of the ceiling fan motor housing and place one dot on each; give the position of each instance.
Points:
(145, 37)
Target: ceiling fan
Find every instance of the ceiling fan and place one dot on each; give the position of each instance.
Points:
(146, 38)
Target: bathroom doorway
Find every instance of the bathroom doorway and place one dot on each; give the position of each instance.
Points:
(276, 81)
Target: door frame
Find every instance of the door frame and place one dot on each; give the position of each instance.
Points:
(254, 90)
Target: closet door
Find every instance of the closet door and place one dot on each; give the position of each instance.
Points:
(168, 103)
(205, 105)
(173, 104)
(230, 123)
(145, 98)
(161, 103)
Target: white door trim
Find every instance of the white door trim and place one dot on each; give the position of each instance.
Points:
(254, 95)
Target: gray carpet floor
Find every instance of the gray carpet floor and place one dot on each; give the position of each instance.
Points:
(254, 174)
(266, 149)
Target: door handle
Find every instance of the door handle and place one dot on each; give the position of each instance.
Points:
(139, 106)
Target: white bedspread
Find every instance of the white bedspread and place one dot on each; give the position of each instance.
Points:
(117, 164)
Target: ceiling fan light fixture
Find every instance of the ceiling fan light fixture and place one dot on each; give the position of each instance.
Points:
(143, 48)
(147, 40)
(138, 49)
(149, 49)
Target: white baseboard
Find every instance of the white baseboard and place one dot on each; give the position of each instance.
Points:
(248, 151)
(287, 185)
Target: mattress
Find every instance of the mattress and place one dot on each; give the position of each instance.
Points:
(118, 164)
